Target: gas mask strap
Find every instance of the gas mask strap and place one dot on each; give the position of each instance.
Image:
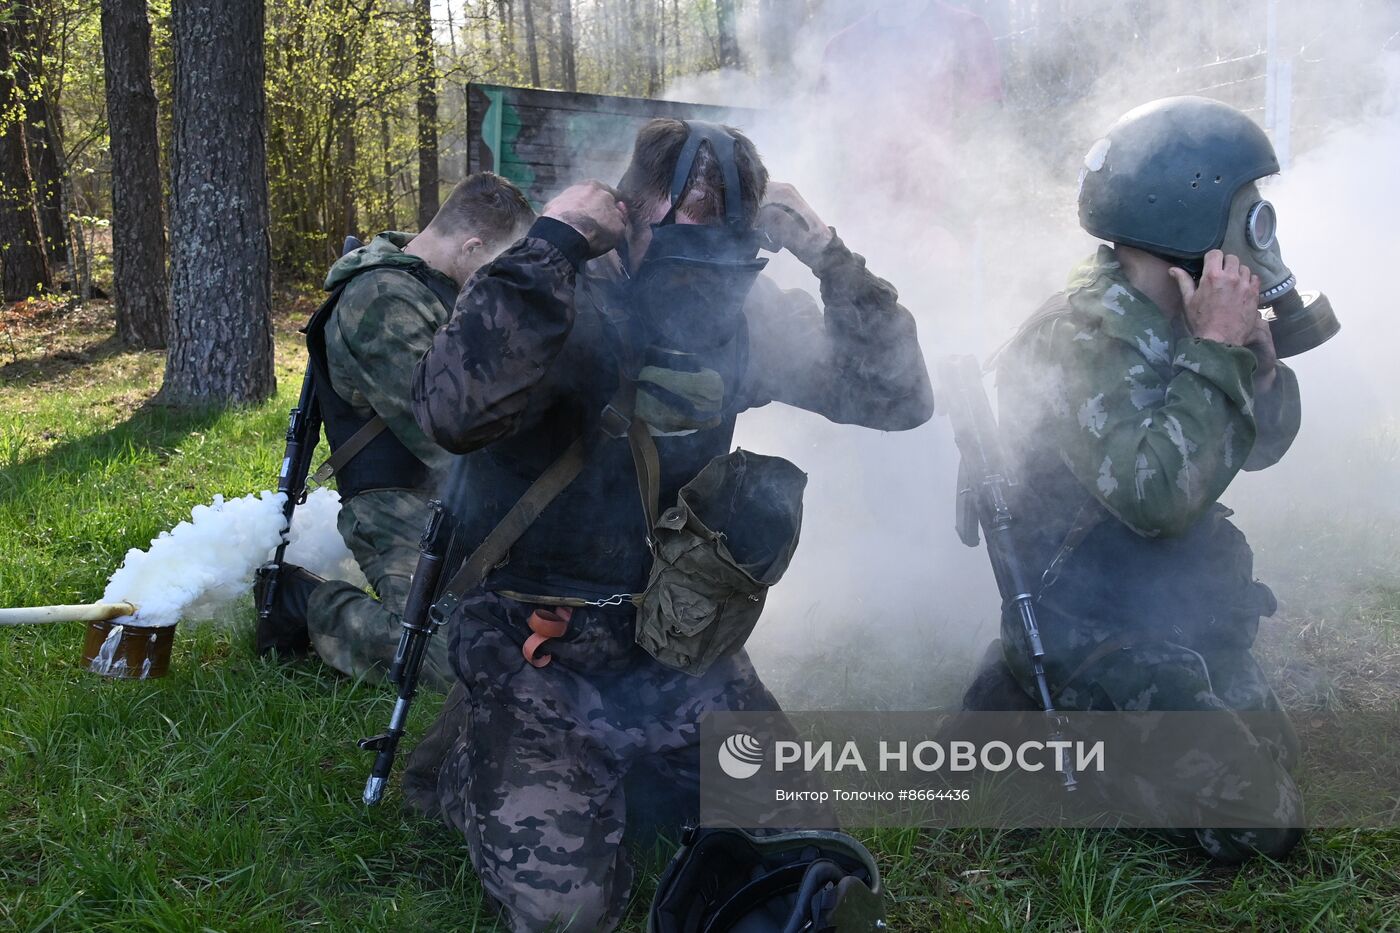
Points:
(722, 144)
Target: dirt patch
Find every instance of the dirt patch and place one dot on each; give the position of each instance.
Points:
(46, 340)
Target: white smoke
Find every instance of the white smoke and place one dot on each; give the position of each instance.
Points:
(882, 605)
(316, 544)
(202, 564)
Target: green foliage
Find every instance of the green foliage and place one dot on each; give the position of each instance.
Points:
(342, 89)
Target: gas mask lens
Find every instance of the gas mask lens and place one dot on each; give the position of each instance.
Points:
(1298, 322)
(1260, 225)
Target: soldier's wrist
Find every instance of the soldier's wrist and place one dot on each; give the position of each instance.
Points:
(568, 241)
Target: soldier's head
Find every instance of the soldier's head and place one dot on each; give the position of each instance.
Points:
(1175, 179)
(483, 215)
(647, 183)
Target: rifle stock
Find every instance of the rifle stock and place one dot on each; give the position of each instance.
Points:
(984, 487)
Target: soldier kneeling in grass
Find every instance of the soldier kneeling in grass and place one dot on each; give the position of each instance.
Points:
(1130, 402)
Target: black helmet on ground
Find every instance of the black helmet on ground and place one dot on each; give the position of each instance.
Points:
(1176, 177)
(732, 881)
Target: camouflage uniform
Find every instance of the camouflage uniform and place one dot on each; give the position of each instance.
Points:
(1125, 431)
(381, 326)
(538, 767)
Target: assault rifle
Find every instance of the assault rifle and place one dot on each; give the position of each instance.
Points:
(420, 620)
(984, 484)
(303, 433)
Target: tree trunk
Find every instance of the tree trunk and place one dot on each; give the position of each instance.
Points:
(220, 281)
(44, 134)
(779, 22)
(650, 45)
(531, 45)
(427, 114)
(728, 38)
(566, 45)
(387, 167)
(22, 255)
(138, 231)
(340, 149)
(45, 139)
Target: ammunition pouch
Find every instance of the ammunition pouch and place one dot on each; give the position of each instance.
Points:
(730, 536)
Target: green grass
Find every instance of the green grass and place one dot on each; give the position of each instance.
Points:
(226, 796)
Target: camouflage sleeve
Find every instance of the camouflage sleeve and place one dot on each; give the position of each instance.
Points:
(1278, 413)
(486, 366)
(855, 361)
(383, 324)
(1156, 452)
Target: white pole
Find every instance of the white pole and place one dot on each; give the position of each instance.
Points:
(1283, 113)
(90, 612)
(1270, 65)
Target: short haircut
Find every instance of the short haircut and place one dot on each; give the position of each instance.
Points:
(654, 157)
(485, 205)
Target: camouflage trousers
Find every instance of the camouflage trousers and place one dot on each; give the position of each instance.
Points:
(1240, 769)
(541, 768)
(354, 632)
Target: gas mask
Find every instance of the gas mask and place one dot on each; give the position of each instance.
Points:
(1299, 321)
(687, 298)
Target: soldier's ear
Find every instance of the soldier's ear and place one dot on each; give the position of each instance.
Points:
(472, 245)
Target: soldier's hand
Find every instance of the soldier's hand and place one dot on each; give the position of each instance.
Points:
(1225, 305)
(1261, 341)
(787, 221)
(594, 210)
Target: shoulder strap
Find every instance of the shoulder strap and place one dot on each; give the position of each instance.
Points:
(615, 422)
(648, 465)
(347, 451)
(1089, 516)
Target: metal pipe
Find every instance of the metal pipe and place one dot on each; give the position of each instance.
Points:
(88, 612)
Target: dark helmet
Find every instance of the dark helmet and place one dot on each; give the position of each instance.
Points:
(731, 881)
(1164, 175)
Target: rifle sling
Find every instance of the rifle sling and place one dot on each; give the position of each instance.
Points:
(615, 422)
(347, 451)
(648, 465)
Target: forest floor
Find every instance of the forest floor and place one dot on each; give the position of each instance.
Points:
(226, 796)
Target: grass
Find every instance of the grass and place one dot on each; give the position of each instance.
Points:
(226, 795)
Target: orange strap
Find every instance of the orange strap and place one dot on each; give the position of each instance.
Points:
(545, 624)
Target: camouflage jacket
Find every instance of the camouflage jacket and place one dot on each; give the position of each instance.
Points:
(381, 326)
(506, 357)
(532, 354)
(1150, 421)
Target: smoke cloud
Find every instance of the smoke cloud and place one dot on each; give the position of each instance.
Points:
(976, 225)
(203, 564)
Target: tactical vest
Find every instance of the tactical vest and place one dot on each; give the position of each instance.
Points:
(590, 542)
(383, 463)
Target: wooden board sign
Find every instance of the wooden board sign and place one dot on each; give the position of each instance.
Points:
(545, 141)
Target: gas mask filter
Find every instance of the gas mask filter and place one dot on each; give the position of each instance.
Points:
(1299, 321)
